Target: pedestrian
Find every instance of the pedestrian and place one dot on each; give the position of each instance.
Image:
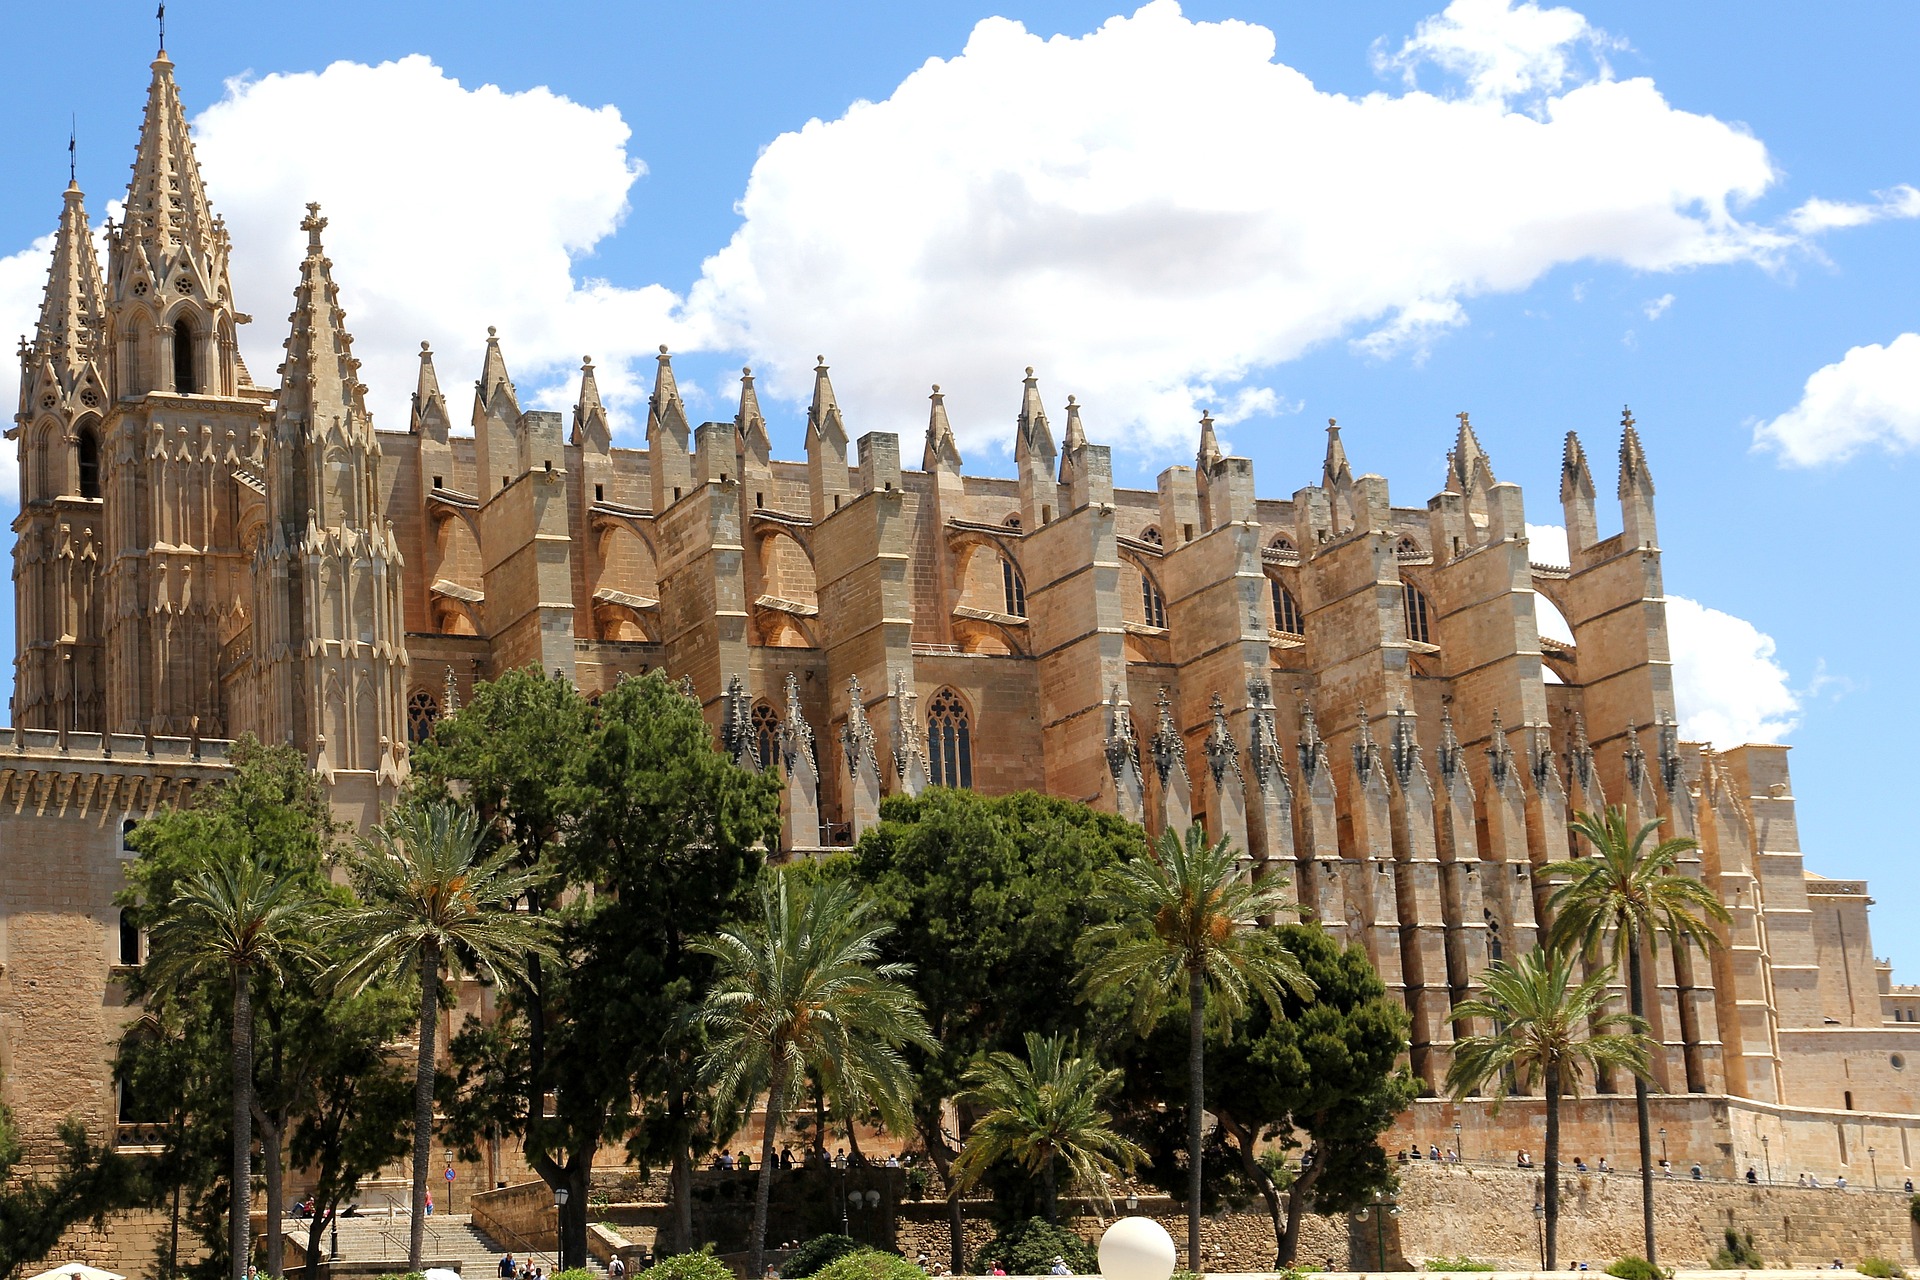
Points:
(616, 1269)
(1579, 1165)
(429, 1204)
(1602, 1166)
(507, 1268)
(1060, 1267)
(1666, 1168)
(1909, 1186)
(1433, 1152)
(745, 1163)
(786, 1156)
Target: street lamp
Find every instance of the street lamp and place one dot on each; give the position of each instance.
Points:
(1873, 1165)
(1133, 1200)
(559, 1209)
(1766, 1153)
(1540, 1230)
(1456, 1143)
(1663, 1147)
(1383, 1204)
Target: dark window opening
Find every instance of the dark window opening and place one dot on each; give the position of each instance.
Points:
(439, 483)
(1046, 515)
(422, 710)
(949, 741)
(1154, 604)
(759, 502)
(1186, 533)
(89, 463)
(1418, 623)
(1286, 610)
(1849, 1097)
(129, 940)
(183, 379)
(1015, 589)
(504, 482)
(676, 493)
(1151, 534)
(126, 832)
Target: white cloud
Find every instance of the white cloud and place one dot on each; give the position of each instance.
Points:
(1159, 207)
(1658, 306)
(1818, 215)
(23, 282)
(1501, 50)
(1869, 399)
(1726, 683)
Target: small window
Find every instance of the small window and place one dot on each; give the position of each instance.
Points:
(439, 483)
(89, 450)
(1494, 949)
(766, 729)
(759, 501)
(1046, 515)
(1419, 629)
(1011, 522)
(130, 940)
(1015, 589)
(836, 499)
(1186, 533)
(949, 741)
(1281, 543)
(1897, 1062)
(1151, 534)
(422, 710)
(1848, 1095)
(183, 368)
(504, 482)
(1286, 610)
(126, 835)
(676, 493)
(1152, 602)
(1408, 548)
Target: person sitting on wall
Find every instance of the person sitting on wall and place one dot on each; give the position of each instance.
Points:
(1753, 1177)
(1579, 1165)
(1433, 1153)
(1909, 1186)
(1666, 1166)
(1840, 1183)
(1602, 1165)
(1698, 1174)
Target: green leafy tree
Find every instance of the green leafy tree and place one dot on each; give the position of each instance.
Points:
(1622, 900)
(1185, 917)
(989, 897)
(799, 988)
(1045, 1113)
(35, 1212)
(1550, 1027)
(431, 898)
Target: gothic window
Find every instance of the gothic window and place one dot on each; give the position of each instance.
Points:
(1012, 522)
(422, 710)
(183, 379)
(1494, 949)
(89, 449)
(1151, 534)
(766, 727)
(1152, 602)
(1409, 548)
(1286, 610)
(1418, 628)
(1015, 588)
(129, 940)
(949, 741)
(1281, 543)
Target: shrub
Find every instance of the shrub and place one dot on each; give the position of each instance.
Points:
(870, 1264)
(411, 1275)
(1879, 1269)
(1029, 1248)
(817, 1253)
(687, 1266)
(1737, 1254)
(574, 1273)
(1633, 1267)
(1461, 1263)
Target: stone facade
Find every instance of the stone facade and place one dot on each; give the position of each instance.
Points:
(1356, 693)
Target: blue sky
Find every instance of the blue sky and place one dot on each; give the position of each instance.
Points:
(1385, 213)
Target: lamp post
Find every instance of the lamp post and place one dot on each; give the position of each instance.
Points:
(1457, 1149)
(1540, 1230)
(1874, 1166)
(1383, 1205)
(1663, 1147)
(559, 1229)
(1133, 1200)
(1766, 1153)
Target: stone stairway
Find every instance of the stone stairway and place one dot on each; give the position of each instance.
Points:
(450, 1239)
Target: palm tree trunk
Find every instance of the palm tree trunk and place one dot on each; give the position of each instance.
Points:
(1047, 1183)
(1196, 1106)
(240, 1229)
(680, 1177)
(270, 1156)
(423, 1099)
(1642, 1113)
(763, 1190)
(1552, 1198)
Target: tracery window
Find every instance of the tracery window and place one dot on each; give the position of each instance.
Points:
(1152, 602)
(1152, 534)
(1494, 949)
(89, 451)
(949, 741)
(1286, 610)
(1014, 587)
(1011, 522)
(1281, 542)
(1419, 628)
(766, 728)
(183, 381)
(422, 710)
(1408, 547)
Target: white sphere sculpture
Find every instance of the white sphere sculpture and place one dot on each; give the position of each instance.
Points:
(1136, 1249)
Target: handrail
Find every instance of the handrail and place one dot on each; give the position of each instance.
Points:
(519, 1244)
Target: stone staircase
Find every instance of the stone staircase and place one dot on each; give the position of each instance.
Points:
(450, 1239)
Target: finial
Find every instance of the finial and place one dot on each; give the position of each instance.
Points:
(313, 224)
(492, 333)
(1626, 417)
(1072, 401)
(819, 364)
(663, 351)
(1462, 415)
(73, 143)
(1029, 371)
(160, 16)
(425, 350)
(936, 390)
(746, 372)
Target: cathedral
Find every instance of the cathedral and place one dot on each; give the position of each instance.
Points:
(1356, 693)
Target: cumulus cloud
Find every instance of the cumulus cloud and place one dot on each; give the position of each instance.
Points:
(1159, 207)
(1818, 215)
(1870, 398)
(1727, 685)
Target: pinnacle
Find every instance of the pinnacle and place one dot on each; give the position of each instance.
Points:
(942, 450)
(1634, 473)
(824, 419)
(72, 312)
(1468, 460)
(494, 379)
(1575, 476)
(1209, 453)
(322, 382)
(1335, 472)
(428, 402)
(1035, 436)
(166, 206)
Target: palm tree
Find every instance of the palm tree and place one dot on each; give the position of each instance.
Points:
(1184, 915)
(233, 919)
(430, 896)
(1622, 899)
(1042, 1112)
(1547, 1025)
(800, 988)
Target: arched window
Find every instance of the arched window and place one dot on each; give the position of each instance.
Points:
(1418, 628)
(766, 728)
(129, 940)
(1011, 522)
(1494, 949)
(1408, 548)
(1281, 542)
(1152, 602)
(89, 450)
(949, 741)
(1152, 534)
(1286, 610)
(1015, 587)
(183, 379)
(422, 710)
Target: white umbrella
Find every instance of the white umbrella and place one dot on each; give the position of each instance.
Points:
(77, 1271)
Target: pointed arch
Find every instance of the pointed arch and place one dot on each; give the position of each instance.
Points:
(949, 741)
(1419, 615)
(186, 379)
(45, 470)
(1287, 618)
(423, 710)
(765, 727)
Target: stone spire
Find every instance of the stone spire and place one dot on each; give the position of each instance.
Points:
(861, 781)
(320, 388)
(1123, 759)
(1499, 754)
(1469, 469)
(1034, 434)
(1636, 487)
(1366, 752)
(495, 420)
(589, 415)
(72, 311)
(1168, 747)
(1449, 754)
(1405, 747)
(1576, 498)
(1034, 456)
(826, 446)
(1335, 473)
(736, 730)
(1209, 453)
(168, 235)
(670, 465)
(429, 414)
(750, 422)
(1312, 747)
(1223, 754)
(909, 747)
(943, 451)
